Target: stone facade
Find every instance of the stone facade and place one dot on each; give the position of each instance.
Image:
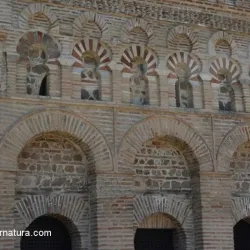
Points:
(118, 114)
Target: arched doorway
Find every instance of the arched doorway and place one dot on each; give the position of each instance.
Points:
(50, 165)
(159, 232)
(242, 235)
(59, 239)
(240, 174)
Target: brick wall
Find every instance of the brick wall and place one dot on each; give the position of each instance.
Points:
(104, 162)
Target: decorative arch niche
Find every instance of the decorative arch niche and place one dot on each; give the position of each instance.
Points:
(182, 38)
(221, 43)
(38, 52)
(90, 24)
(140, 82)
(91, 71)
(184, 81)
(225, 80)
(137, 31)
(32, 11)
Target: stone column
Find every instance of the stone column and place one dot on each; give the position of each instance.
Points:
(54, 80)
(66, 77)
(207, 92)
(153, 88)
(163, 89)
(171, 91)
(106, 85)
(125, 88)
(197, 94)
(116, 83)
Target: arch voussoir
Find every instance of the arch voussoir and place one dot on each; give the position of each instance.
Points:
(34, 206)
(237, 136)
(161, 126)
(34, 8)
(240, 208)
(81, 131)
(145, 206)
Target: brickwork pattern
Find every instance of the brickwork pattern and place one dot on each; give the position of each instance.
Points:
(160, 139)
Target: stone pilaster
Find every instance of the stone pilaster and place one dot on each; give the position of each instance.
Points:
(116, 83)
(163, 89)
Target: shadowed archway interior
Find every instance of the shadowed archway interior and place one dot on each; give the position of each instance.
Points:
(58, 240)
(159, 231)
(242, 235)
(154, 239)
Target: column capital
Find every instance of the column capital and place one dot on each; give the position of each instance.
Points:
(66, 60)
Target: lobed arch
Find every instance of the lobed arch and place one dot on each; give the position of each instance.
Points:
(192, 62)
(51, 46)
(34, 8)
(182, 29)
(233, 139)
(222, 35)
(231, 65)
(137, 23)
(80, 130)
(89, 17)
(92, 45)
(157, 126)
(137, 51)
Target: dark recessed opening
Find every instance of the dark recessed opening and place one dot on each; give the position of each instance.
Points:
(44, 87)
(59, 239)
(242, 235)
(154, 239)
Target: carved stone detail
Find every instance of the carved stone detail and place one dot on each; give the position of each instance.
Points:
(163, 12)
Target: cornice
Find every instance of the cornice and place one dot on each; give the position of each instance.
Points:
(200, 15)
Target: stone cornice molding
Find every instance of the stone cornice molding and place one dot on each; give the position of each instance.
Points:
(185, 14)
